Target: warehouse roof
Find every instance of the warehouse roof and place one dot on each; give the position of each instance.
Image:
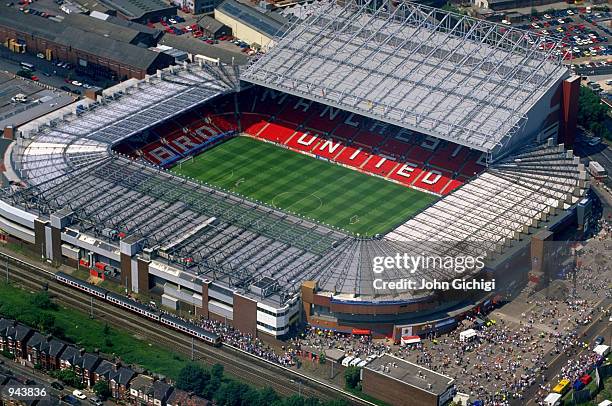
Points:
(128, 54)
(29, 23)
(251, 17)
(86, 34)
(411, 374)
(100, 27)
(210, 24)
(197, 47)
(137, 8)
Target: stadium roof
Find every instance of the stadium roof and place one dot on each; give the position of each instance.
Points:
(450, 76)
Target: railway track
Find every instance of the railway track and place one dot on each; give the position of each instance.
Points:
(249, 369)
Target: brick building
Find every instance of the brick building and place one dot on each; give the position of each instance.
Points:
(95, 54)
(402, 383)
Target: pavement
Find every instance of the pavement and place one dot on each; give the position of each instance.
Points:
(46, 72)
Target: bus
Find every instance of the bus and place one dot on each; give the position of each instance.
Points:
(562, 387)
(27, 66)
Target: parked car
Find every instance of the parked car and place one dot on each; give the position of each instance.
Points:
(95, 401)
(78, 394)
(57, 386)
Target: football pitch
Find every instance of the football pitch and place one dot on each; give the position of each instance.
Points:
(311, 188)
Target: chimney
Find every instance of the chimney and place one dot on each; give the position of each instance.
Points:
(82, 352)
(116, 366)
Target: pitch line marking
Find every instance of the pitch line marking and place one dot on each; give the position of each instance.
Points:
(306, 195)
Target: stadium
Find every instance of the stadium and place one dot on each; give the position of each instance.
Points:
(262, 196)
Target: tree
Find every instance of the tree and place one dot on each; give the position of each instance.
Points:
(336, 402)
(45, 322)
(351, 377)
(102, 390)
(232, 394)
(43, 301)
(69, 377)
(592, 113)
(194, 378)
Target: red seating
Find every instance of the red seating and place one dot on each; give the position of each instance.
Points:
(443, 158)
(380, 165)
(156, 153)
(418, 154)
(276, 133)
(395, 147)
(328, 148)
(433, 180)
(368, 139)
(253, 123)
(345, 132)
(471, 168)
(321, 119)
(304, 141)
(353, 156)
(294, 115)
(452, 185)
(406, 173)
(226, 122)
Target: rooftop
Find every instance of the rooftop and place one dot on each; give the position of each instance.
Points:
(252, 17)
(411, 374)
(465, 80)
(197, 47)
(136, 8)
(87, 34)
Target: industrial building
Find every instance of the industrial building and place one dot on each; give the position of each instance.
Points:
(249, 24)
(399, 382)
(140, 11)
(22, 101)
(197, 48)
(96, 48)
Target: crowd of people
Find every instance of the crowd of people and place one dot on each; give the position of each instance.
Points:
(247, 342)
(319, 340)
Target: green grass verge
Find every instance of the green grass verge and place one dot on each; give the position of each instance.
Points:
(312, 188)
(91, 334)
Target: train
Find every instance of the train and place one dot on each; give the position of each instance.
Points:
(141, 309)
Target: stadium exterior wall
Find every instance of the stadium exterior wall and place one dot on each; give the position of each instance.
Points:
(543, 121)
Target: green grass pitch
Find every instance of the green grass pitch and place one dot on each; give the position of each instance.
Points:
(325, 192)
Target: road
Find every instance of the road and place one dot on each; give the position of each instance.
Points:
(599, 327)
(46, 72)
(249, 369)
